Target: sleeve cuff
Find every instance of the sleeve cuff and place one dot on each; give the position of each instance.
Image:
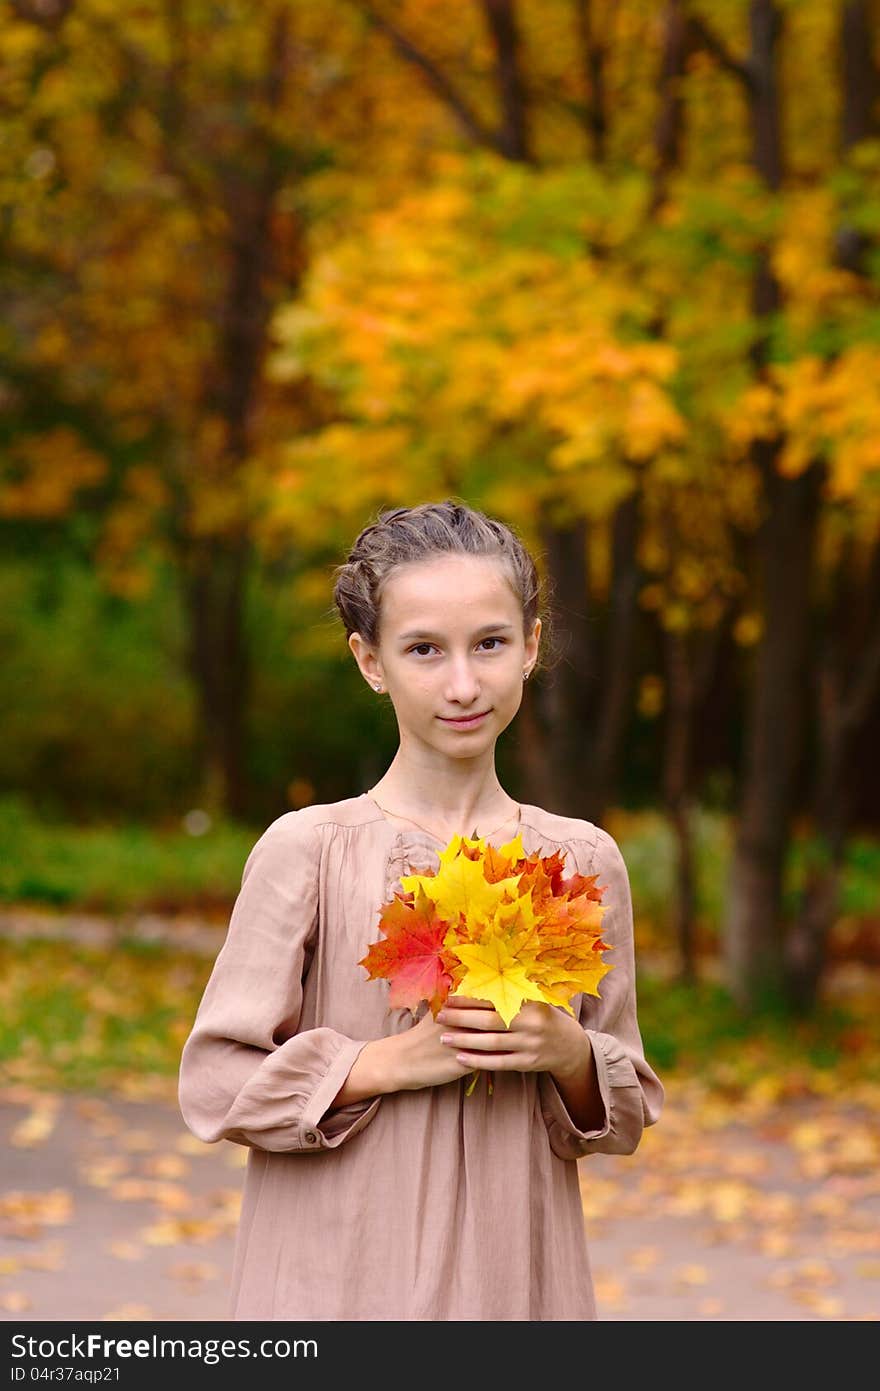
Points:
(566, 1139)
(621, 1097)
(317, 1133)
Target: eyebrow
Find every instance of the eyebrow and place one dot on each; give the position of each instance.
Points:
(487, 627)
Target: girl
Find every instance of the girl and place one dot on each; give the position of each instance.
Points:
(375, 1187)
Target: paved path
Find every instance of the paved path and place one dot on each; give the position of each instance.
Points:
(110, 1209)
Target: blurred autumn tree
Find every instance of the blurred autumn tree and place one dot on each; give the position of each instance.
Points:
(608, 271)
(659, 341)
(152, 219)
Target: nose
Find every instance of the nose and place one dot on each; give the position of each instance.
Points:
(462, 684)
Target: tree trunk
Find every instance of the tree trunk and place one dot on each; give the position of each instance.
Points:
(677, 768)
(586, 699)
(753, 933)
(215, 567)
(775, 730)
(614, 679)
(848, 687)
(568, 737)
(680, 649)
(691, 660)
(531, 747)
(214, 578)
(594, 57)
(513, 134)
(848, 662)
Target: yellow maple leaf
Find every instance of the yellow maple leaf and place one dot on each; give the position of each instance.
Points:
(513, 850)
(562, 984)
(460, 886)
(494, 974)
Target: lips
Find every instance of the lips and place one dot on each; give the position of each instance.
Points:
(464, 721)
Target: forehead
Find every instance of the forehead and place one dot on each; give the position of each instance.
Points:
(449, 590)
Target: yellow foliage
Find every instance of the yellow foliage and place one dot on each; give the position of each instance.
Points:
(748, 629)
(534, 333)
(47, 471)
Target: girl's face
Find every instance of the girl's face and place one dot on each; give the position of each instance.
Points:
(451, 648)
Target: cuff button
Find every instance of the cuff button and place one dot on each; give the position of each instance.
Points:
(311, 1138)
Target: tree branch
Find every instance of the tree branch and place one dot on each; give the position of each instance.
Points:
(704, 37)
(593, 57)
(501, 23)
(48, 14)
(434, 76)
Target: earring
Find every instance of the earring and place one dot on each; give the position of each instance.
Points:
(525, 676)
(377, 686)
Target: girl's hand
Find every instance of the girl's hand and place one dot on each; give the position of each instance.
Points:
(540, 1038)
(417, 1058)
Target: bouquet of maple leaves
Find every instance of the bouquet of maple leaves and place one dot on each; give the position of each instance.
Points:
(494, 924)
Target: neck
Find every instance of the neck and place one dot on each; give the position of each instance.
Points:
(443, 804)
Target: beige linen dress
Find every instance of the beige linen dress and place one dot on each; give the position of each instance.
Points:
(418, 1205)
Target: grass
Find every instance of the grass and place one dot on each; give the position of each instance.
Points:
(133, 867)
(696, 1029)
(119, 868)
(648, 846)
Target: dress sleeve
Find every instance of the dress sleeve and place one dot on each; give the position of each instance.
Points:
(246, 1074)
(631, 1091)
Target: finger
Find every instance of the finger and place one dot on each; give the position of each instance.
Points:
(476, 1043)
(489, 1062)
(466, 1002)
(471, 1019)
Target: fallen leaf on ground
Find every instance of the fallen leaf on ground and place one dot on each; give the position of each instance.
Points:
(100, 1173)
(167, 1165)
(15, 1301)
(127, 1312)
(138, 1140)
(49, 1257)
(644, 1257)
(191, 1144)
(609, 1289)
(193, 1272)
(126, 1250)
(36, 1128)
(25, 1214)
(174, 1230)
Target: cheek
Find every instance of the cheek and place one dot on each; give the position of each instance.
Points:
(512, 703)
(418, 695)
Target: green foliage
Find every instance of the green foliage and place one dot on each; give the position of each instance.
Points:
(95, 707)
(99, 719)
(111, 868)
(698, 1030)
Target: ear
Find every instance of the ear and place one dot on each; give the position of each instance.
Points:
(532, 643)
(367, 659)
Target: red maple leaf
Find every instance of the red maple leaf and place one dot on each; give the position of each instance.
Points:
(411, 954)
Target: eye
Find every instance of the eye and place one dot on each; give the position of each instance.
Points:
(420, 646)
